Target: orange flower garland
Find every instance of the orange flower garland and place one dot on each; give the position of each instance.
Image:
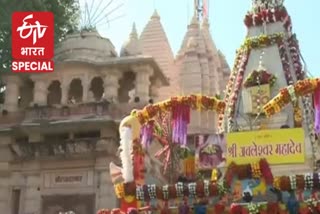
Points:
(196, 102)
(301, 88)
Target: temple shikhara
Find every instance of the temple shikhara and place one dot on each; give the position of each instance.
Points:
(149, 131)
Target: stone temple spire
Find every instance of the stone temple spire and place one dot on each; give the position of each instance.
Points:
(134, 34)
(198, 62)
(155, 43)
(132, 46)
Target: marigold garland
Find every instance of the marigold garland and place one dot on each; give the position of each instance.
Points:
(196, 102)
(198, 189)
(301, 88)
(262, 41)
(206, 189)
(246, 171)
(262, 76)
(308, 206)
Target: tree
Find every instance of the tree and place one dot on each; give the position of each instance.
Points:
(66, 16)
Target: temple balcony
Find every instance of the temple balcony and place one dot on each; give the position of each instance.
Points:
(70, 148)
(76, 112)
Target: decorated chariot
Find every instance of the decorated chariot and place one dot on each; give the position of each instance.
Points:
(269, 166)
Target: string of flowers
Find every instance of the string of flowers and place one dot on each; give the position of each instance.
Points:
(246, 171)
(253, 19)
(295, 55)
(301, 88)
(285, 62)
(151, 191)
(238, 83)
(308, 206)
(307, 181)
(262, 75)
(262, 41)
(229, 88)
(195, 102)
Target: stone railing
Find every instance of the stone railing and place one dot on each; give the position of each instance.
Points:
(83, 146)
(32, 114)
(115, 111)
(8, 119)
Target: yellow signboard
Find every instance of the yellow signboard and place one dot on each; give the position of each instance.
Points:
(280, 146)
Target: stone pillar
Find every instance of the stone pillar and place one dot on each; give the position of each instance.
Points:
(85, 91)
(105, 196)
(4, 193)
(40, 92)
(142, 82)
(12, 93)
(64, 92)
(111, 85)
(154, 91)
(32, 196)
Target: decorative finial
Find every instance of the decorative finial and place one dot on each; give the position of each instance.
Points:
(134, 33)
(201, 9)
(155, 15)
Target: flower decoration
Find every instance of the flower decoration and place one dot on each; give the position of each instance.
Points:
(258, 18)
(301, 88)
(104, 211)
(253, 208)
(262, 41)
(262, 76)
(295, 56)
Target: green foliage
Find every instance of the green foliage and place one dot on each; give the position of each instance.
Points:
(66, 17)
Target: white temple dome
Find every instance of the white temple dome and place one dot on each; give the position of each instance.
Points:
(86, 47)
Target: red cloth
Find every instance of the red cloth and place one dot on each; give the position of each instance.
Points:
(124, 206)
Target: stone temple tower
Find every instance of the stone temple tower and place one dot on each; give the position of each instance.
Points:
(268, 60)
(198, 68)
(154, 42)
(202, 69)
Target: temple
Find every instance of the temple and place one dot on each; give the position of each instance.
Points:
(262, 158)
(59, 131)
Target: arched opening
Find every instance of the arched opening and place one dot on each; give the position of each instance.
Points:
(75, 91)
(96, 89)
(26, 94)
(54, 93)
(126, 87)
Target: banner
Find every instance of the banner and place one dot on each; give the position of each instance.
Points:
(281, 146)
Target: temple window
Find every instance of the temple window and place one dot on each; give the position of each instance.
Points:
(54, 93)
(75, 91)
(126, 90)
(96, 89)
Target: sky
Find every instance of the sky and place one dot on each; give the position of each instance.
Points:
(226, 23)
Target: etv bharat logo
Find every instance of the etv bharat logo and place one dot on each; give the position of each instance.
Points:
(38, 30)
(32, 41)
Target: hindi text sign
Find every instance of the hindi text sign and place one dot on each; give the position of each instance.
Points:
(280, 146)
(32, 41)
